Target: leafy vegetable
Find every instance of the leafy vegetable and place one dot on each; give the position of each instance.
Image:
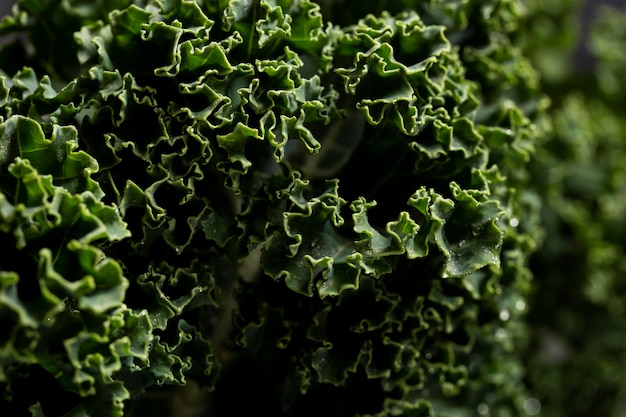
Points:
(297, 207)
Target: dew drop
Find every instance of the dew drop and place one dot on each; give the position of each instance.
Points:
(505, 315)
(428, 356)
(483, 409)
(431, 370)
(514, 222)
(520, 305)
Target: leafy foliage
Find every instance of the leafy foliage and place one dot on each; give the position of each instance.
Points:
(575, 360)
(304, 207)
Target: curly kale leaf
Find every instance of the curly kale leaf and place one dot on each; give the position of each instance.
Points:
(344, 181)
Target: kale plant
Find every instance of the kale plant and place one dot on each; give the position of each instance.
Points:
(575, 361)
(292, 207)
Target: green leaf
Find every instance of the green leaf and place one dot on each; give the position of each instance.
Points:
(481, 243)
(58, 156)
(311, 245)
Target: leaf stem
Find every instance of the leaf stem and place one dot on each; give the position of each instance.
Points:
(252, 29)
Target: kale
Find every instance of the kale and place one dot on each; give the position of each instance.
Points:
(293, 207)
